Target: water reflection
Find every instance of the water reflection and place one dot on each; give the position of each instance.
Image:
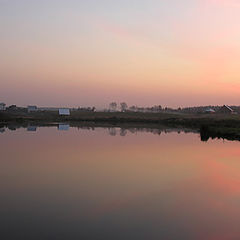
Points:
(112, 131)
(95, 186)
(124, 131)
(12, 127)
(31, 128)
(205, 134)
(63, 127)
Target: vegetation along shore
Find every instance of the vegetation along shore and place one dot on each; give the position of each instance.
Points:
(218, 125)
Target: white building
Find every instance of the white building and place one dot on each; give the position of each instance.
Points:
(32, 108)
(49, 109)
(2, 106)
(210, 110)
(64, 111)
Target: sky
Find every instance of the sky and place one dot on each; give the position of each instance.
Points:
(144, 52)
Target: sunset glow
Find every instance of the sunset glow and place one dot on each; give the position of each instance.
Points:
(81, 53)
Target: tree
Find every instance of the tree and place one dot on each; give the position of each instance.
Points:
(113, 106)
(123, 106)
(133, 108)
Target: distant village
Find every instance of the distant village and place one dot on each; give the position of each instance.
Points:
(33, 108)
(123, 107)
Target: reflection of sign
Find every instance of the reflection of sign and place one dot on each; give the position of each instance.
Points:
(32, 128)
(63, 127)
(64, 111)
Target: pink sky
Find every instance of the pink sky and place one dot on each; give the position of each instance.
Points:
(74, 53)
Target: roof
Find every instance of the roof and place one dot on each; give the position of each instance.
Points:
(32, 107)
(226, 106)
(209, 110)
(64, 111)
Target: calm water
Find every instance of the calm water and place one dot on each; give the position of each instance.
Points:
(117, 184)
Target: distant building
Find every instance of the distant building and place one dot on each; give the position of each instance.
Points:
(50, 109)
(64, 111)
(209, 110)
(2, 106)
(32, 108)
(226, 110)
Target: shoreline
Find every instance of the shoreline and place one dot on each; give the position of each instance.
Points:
(208, 125)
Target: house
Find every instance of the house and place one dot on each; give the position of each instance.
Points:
(64, 111)
(32, 108)
(49, 109)
(209, 110)
(2, 106)
(226, 110)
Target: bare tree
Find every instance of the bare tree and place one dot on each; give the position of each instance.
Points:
(133, 108)
(113, 106)
(124, 106)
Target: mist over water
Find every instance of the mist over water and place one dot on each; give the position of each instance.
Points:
(115, 183)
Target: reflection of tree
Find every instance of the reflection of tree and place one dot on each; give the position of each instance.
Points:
(12, 128)
(123, 132)
(112, 131)
(143, 130)
(156, 131)
(132, 130)
(85, 128)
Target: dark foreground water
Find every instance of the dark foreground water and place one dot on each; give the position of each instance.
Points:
(117, 184)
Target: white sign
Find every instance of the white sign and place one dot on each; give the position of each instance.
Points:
(64, 111)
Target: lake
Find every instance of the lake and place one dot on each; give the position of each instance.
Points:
(111, 183)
